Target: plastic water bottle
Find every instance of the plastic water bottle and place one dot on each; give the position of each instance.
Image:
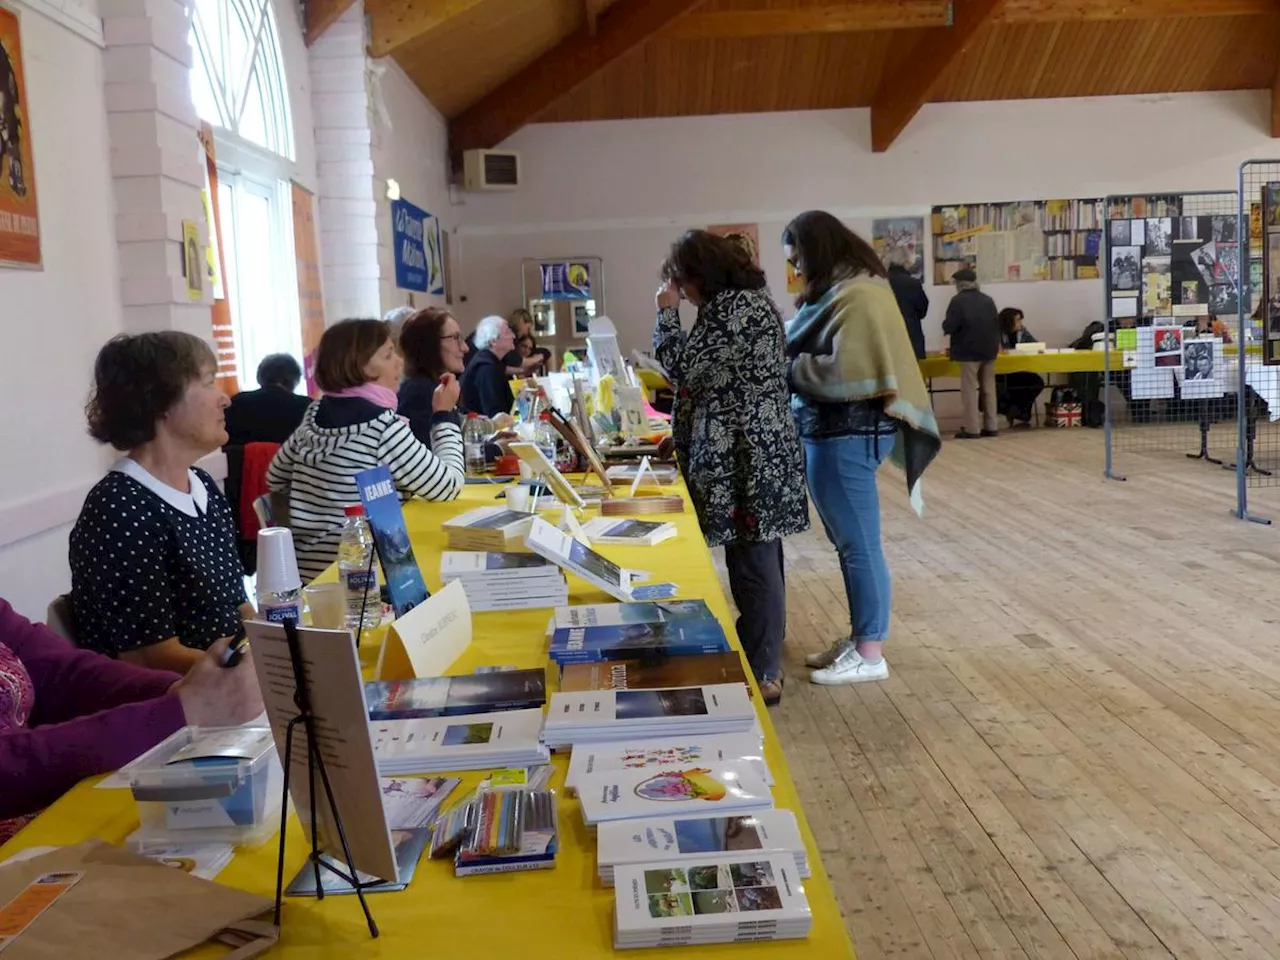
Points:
(473, 445)
(545, 437)
(279, 586)
(358, 571)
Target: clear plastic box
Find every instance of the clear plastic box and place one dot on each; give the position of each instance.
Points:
(209, 784)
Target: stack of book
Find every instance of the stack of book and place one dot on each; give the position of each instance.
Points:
(648, 673)
(455, 696)
(504, 581)
(726, 787)
(625, 631)
(628, 532)
(477, 742)
(640, 754)
(681, 903)
(711, 837)
(599, 716)
(489, 528)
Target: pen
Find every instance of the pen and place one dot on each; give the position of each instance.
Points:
(235, 652)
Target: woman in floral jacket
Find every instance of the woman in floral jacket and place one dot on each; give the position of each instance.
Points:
(734, 435)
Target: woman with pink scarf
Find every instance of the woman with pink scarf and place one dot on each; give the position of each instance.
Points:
(354, 427)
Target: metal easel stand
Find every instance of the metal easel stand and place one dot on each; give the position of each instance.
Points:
(315, 763)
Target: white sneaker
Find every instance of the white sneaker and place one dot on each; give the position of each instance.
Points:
(827, 656)
(848, 667)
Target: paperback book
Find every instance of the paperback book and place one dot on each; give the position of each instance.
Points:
(413, 802)
(488, 529)
(681, 752)
(725, 787)
(453, 696)
(765, 833)
(616, 614)
(628, 532)
(637, 641)
(476, 742)
(654, 672)
(400, 569)
(603, 715)
(504, 581)
(678, 903)
(576, 557)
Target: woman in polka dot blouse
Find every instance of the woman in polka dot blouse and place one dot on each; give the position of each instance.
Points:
(155, 575)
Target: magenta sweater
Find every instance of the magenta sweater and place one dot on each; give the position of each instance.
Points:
(89, 715)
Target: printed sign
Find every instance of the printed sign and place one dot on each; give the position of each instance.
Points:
(415, 235)
(391, 538)
(19, 218)
(566, 281)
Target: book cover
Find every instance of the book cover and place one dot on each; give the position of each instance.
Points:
(498, 519)
(733, 785)
(759, 892)
(612, 614)
(409, 845)
(653, 636)
(646, 841)
(647, 708)
(411, 802)
(391, 539)
(451, 696)
(588, 759)
(628, 531)
(492, 565)
(650, 673)
(440, 737)
(576, 557)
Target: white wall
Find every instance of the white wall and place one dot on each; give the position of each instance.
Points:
(55, 319)
(624, 189)
(298, 78)
(411, 146)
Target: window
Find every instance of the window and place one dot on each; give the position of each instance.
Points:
(238, 86)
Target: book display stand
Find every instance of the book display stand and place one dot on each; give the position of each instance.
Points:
(315, 764)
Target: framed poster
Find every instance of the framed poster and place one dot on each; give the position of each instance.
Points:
(1271, 273)
(19, 215)
(900, 240)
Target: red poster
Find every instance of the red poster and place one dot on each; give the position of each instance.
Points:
(310, 295)
(19, 218)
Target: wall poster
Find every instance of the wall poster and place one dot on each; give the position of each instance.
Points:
(19, 216)
(904, 235)
(310, 294)
(415, 238)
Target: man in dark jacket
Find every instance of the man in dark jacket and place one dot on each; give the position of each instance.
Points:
(912, 300)
(973, 324)
(272, 412)
(485, 387)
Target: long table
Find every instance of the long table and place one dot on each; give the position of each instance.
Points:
(559, 914)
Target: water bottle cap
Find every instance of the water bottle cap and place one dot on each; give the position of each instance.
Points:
(354, 510)
(472, 416)
(544, 415)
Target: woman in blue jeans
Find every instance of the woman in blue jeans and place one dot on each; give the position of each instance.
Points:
(858, 399)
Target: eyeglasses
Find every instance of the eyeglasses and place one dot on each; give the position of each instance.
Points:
(455, 337)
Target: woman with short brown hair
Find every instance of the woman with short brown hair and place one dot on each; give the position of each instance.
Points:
(734, 437)
(354, 427)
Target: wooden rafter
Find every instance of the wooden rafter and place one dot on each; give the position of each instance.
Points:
(868, 15)
(625, 25)
(906, 85)
(320, 15)
(1275, 104)
(393, 23)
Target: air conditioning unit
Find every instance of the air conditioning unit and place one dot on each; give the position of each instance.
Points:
(490, 170)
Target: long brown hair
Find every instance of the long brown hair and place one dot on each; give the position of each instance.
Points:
(712, 264)
(345, 349)
(420, 342)
(825, 248)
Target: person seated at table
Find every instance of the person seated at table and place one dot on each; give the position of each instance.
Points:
(1016, 393)
(354, 427)
(396, 318)
(155, 574)
(486, 389)
(528, 349)
(521, 323)
(273, 411)
(432, 345)
(67, 714)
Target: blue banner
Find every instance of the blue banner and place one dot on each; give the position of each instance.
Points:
(566, 281)
(391, 537)
(415, 236)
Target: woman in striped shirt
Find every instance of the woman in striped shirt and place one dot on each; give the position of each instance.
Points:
(354, 427)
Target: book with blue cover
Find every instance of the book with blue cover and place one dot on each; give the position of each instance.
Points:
(627, 641)
(610, 614)
(455, 696)
(391, 539)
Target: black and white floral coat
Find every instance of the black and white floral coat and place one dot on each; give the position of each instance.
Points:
(735, 438)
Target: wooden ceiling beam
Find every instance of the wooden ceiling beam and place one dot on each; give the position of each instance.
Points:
(625, 25)
(907, 84)
(319, 15)
(1275, 104)
(393, 23)
(865, 15)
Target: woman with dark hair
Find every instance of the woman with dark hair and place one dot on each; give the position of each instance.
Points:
(432, 346)
(155, 574)
(354, 427)
(734, 438)
(858, 398)
(1016, 393)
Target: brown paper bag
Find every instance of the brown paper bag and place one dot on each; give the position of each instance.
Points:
(130, 908)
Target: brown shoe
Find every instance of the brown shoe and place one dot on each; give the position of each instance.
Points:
(771, 692)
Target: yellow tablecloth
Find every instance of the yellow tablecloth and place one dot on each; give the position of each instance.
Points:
(1074, 361)
(559, 914)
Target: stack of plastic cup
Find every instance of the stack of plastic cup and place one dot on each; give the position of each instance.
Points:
(279, 585)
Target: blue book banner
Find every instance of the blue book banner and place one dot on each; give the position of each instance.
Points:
(566, 281)
(415, 235)
(391, 538)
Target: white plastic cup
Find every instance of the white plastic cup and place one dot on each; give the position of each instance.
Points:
(519, 498)
(328, 605)
(277, 563)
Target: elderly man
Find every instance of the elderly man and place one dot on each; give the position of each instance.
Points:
(485, 389)
(973, 324)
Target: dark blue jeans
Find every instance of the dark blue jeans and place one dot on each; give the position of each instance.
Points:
(759, 589)
(842, 484)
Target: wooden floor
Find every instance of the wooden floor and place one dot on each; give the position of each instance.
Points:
(1078, 751)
